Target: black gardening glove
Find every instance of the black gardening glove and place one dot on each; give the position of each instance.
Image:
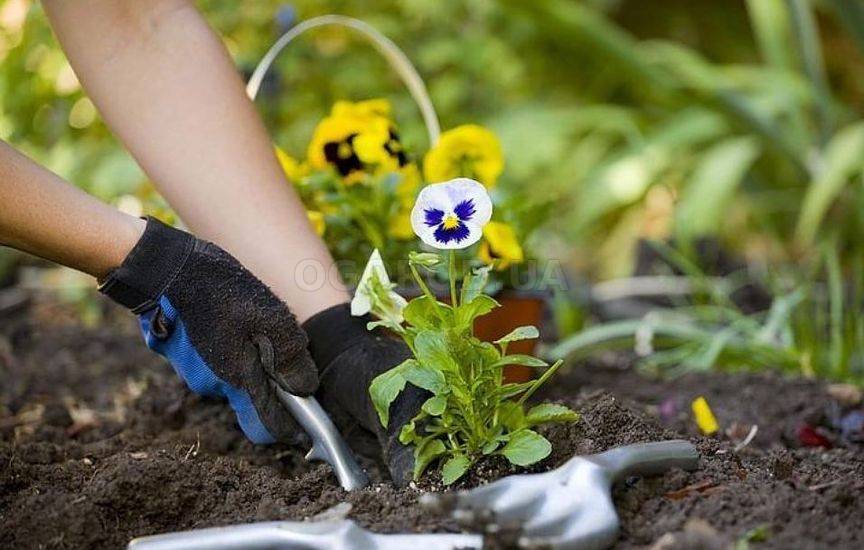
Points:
(349, 357)
(208, 315)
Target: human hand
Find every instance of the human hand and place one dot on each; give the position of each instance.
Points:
(206, 313)
(349, 357)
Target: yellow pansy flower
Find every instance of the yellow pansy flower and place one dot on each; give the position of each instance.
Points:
(294, 171)
(469, 151)
(371, 145)
(316, 218)
(357, 138)
(500, 246)
(366, 108)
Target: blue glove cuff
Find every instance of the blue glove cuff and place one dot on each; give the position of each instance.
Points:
(197, 374)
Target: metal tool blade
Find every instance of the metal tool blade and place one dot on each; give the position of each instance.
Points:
(327, 443)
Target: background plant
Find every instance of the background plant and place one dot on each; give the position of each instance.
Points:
(358, 183)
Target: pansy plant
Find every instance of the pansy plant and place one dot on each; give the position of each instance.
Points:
(471, 412)
(359, 182)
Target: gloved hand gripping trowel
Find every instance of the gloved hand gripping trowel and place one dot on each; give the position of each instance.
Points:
(327, 443)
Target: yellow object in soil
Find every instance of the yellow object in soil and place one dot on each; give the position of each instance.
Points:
(705, 419)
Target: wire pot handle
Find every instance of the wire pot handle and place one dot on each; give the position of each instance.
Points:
(386, 47)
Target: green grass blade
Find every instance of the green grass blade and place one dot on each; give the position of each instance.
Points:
(712, 186)
(617, 334)
(810, 51)
(835, 297)
(771, 27)
(844, 156)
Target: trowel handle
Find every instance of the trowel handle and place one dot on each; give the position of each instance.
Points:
(327, 442)
(648, 458)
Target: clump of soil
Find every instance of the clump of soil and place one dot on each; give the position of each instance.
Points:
(100, 443)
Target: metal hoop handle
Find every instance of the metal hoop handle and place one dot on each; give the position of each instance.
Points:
(386, 47)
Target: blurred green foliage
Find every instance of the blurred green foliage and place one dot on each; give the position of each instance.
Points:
(635, 119)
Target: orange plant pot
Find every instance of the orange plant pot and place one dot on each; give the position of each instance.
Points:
(517, 309)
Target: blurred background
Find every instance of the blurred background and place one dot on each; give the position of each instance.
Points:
(726, 132)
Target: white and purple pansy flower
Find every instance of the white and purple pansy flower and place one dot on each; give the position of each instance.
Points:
(451, 214)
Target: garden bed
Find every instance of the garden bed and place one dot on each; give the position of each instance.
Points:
(99, 443)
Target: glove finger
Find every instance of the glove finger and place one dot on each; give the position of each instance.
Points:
(261, 387)
(400, 463)
(399, 457)
(299, 374)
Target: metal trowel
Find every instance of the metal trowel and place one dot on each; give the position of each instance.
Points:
(569, 507)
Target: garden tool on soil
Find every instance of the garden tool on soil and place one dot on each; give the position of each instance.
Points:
(569, 507)
(327, 443)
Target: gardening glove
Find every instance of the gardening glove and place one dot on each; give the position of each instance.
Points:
(207, 314)
(349, 357)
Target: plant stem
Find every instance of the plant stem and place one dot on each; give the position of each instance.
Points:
(426, 291)
(421, 283)
(452, 275)
(549, 372)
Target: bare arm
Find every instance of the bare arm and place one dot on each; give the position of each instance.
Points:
(165, 84)
(44, 215)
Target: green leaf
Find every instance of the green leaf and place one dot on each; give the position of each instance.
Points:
(550, 412)
(526, 332)
(526, 447)
(509, 390)
(474, 283)
(520, 359)
(425, 313)
(435, 405)
(491, 446)
(496, 438)
(455, 468)
(431, 349)
(770, 22)
(712, 186)
(408, 433)
(479, 306)
(511, 415)
(386, 323)
(844, 156)
(426, 377)
(425, 453)
(425, 259)
(809, 48)
(421, 313)
(386, 386)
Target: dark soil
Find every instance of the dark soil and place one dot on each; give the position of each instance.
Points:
(99, 443)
